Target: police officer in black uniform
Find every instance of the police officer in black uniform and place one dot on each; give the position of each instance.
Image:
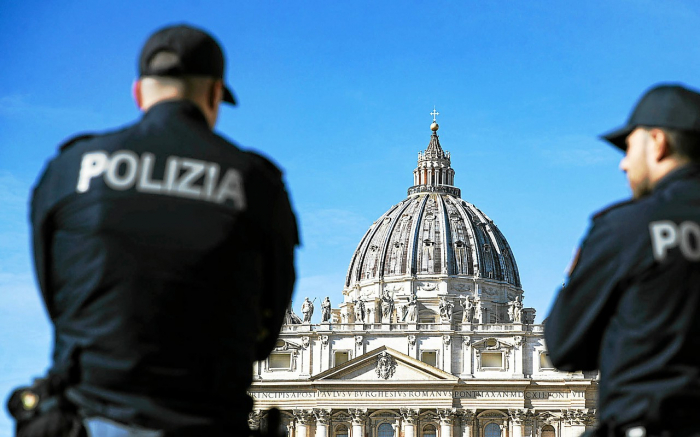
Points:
(164, 255)
(631, 305)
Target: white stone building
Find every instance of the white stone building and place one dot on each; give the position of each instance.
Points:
(431, 338)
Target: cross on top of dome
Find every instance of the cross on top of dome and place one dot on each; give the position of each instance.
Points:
(434, 127)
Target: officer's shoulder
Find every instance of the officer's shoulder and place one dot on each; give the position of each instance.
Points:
(106, 136)
(264, 164)
(75, 140)
(621, 207)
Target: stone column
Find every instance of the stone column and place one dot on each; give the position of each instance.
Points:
(254, 419)
(516, 421)
(590, 420)
(305, 356)
(358, 415)
(542, 419)
(467, 355)
(325, 353)
(522, 420)
(565, 422)
(411, 339)
(467, 419)
(303, 421)
(576, 420)
(446, 421)
(322, 419)
(447, 353)
(518, 356)
(529, 424)
(359, 345)
(409, 421)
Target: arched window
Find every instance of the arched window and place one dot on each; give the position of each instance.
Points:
(385, 430)
(429, 431)
(341, 431)
(548, 431)
(492, 430)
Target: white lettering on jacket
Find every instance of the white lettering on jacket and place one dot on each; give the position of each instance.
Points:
(666, 235)
(125, 169)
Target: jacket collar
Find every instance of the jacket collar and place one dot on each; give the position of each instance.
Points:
(175, 108)
(682, 172)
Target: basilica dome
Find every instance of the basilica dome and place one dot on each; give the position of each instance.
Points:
(434, 243)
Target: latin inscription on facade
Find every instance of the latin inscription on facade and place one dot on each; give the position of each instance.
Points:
(456, 394)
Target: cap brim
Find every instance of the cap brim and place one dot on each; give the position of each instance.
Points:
(618, 137)
(228, 96)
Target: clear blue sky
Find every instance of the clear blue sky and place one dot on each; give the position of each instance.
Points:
(339, 94)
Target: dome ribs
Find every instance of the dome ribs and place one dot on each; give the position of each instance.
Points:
(415, 231)
(479, 248)
(508, 259)
(389, 239)
(353, 263)
(429, 239)
(372, 265)
(357, 271)
(446, 238)
(433, 237)
(460, 260)
(396, 257)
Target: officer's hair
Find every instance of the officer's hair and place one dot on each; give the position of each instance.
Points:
(188, 87)
(684, 143)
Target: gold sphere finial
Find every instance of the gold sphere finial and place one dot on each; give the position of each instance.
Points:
(434, 127)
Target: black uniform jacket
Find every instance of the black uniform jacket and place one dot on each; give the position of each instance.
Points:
(165, 259)
(631, 307)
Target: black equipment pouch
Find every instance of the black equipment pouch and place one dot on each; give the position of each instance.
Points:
(41, 410)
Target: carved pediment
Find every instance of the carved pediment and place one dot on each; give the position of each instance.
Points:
(492, 414)
(492, 344)
(384, 364)
(283, 345)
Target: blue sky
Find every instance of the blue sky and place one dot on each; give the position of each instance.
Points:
(340, 95)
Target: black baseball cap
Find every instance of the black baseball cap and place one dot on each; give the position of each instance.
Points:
(196, 53)
(670, 106)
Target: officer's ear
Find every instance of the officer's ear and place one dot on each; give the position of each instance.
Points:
(216, 94)
(660, 146)
(136, 93)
